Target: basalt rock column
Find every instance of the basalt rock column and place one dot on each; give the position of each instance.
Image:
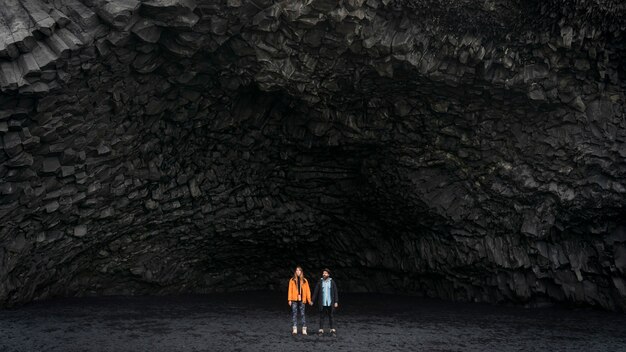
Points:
(471, 150)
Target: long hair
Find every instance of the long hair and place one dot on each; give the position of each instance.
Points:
(295, 277)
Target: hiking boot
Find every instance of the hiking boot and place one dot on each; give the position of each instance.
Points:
(304, 330)
(333, 332)
(294, 331)
(320, 332)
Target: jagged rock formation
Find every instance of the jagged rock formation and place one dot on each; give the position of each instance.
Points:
(471, 150)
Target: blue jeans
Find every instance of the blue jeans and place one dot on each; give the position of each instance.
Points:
(294, 313)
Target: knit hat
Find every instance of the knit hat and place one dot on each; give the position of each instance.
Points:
(328, 270)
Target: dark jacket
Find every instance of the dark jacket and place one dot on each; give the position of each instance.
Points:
(317, 294)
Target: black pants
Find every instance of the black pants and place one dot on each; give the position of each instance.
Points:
(326, 312)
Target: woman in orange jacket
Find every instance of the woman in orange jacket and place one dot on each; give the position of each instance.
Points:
(298, 296)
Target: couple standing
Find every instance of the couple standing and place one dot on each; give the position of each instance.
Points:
(325, 295)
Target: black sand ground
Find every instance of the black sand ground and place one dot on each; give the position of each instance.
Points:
(261, 322)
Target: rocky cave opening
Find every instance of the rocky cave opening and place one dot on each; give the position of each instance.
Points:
(164, 146)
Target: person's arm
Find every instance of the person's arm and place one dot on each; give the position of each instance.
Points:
(336, 294)
(316, 292)
(307, 294)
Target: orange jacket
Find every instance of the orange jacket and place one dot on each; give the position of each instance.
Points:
(292, 294)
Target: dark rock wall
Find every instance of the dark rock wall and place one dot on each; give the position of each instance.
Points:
(471, 150)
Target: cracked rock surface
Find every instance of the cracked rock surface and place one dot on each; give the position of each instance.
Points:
(471, 150)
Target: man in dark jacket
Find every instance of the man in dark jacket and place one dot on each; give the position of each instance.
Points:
(327, 297)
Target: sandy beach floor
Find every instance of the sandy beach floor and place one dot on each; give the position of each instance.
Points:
(260, 321)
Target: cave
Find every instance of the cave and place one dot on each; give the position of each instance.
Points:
(470, 150)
